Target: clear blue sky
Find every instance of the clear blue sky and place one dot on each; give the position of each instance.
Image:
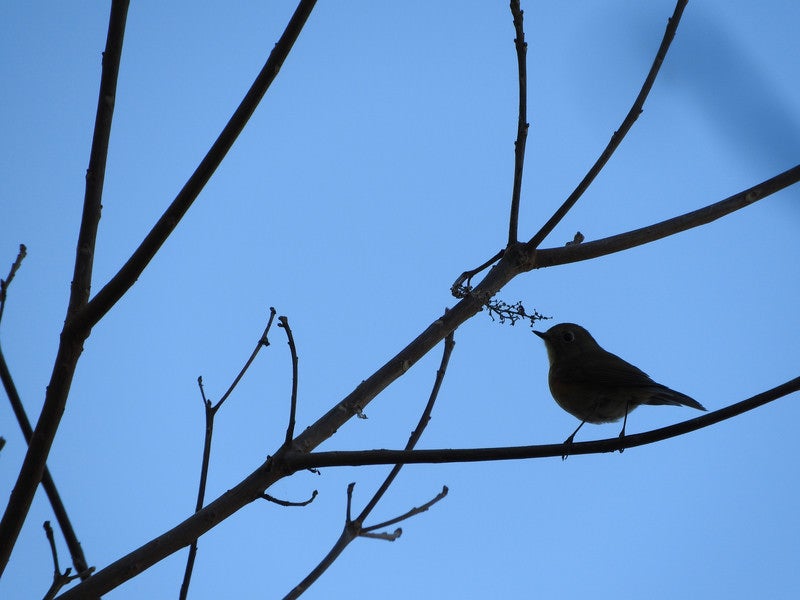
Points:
(377, 169)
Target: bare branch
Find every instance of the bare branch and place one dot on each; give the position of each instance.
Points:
(59, 510)
(262, 342)
(380, 457)
(284, 323)
(522, 121)
(64, 523)
(414, 511)
(463, 285)
(136, 264)
(71, 343)
(576, 252)
(210, 413)
(354, 527)
(620, 134)
(449, 344)
(4, 283)
(279, 502)
(59, 579)
(384, 535)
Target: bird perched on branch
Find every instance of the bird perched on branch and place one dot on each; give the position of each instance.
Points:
(596, 386)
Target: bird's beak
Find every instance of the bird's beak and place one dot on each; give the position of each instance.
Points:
(541, 335)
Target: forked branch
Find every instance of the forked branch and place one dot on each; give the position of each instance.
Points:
(619, 134)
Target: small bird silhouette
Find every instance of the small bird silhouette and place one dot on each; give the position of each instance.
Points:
(596, 386)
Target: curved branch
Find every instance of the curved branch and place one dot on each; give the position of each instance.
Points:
(577, 252)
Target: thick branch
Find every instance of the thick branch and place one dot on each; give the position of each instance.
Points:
(71, 344)
(577, 252)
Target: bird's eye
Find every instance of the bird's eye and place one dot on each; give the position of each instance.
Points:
(568, 336)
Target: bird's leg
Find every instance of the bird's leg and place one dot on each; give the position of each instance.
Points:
(568, 441)
(624, 422)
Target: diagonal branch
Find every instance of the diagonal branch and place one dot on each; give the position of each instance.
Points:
(60, 512)
(136, 264)
(71, 343)
(620, 134)
(49, 485)
(367, 531)
(576, 252)
(449, 344)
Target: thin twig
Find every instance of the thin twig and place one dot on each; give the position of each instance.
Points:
(263, 341)
(354, 528)
(284, 323)
(279, 502)
(463, 285)
(48, 531)
(619, 135)
(210, 412)
(522, 121)
(449, 344)
(72, 339)
(4, 283)
(414, 511)
(59, 579)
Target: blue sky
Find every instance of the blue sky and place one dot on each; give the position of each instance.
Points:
(376, 170)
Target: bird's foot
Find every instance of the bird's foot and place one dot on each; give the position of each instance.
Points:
(568, 444)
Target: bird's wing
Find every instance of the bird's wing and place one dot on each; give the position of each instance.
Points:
(602, 369)
(609, 371)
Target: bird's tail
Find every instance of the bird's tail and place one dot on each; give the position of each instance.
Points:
(663, 395)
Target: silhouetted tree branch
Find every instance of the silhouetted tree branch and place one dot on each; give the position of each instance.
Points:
(60, 512)
(354, 528)
(210, 411)
(72, 339)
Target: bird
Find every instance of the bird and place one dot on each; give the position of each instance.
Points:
(596, 386)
